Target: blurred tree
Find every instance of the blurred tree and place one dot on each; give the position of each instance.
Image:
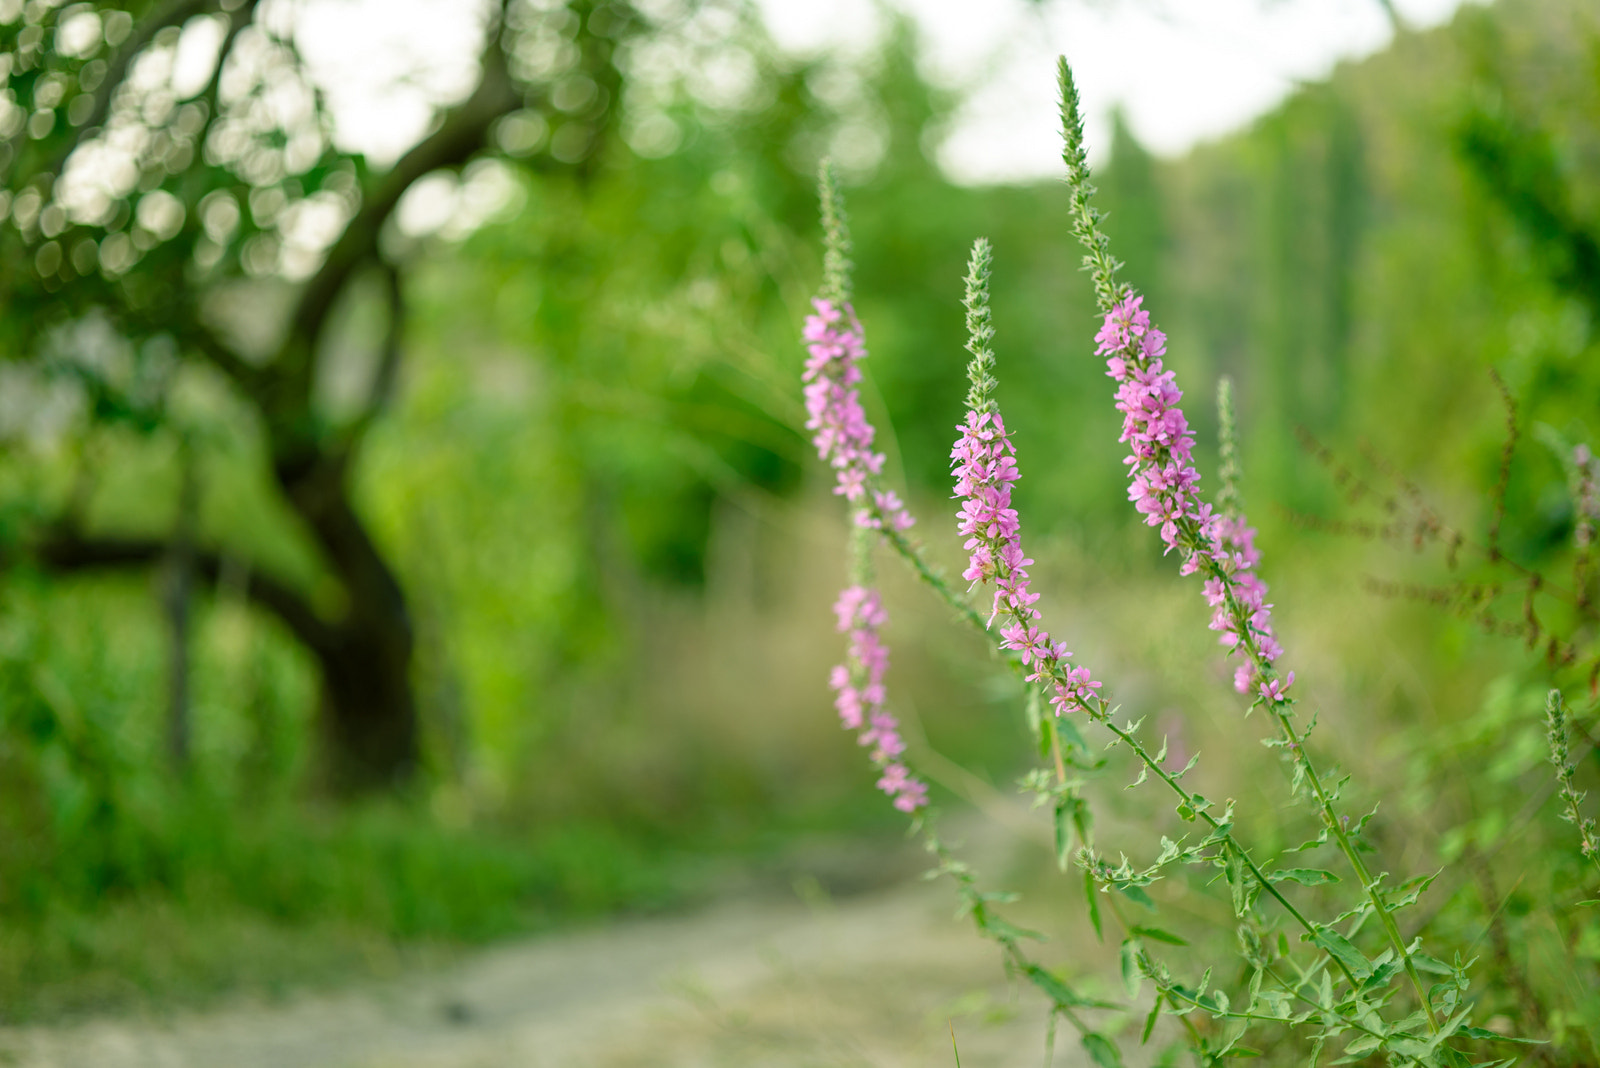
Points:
(157, 217)
(1136, 213)
(1516, 160)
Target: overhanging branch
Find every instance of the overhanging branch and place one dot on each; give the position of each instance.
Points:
(462, 135)
(70, 551)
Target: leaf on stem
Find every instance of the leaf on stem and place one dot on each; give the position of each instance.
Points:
(1060, 993)
(1090, 895)
(1102, 1050)
(1303, 876)
(1344, 951)
(1150, 1021)
(1063, 828)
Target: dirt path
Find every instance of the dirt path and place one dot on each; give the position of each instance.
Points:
(871, 980)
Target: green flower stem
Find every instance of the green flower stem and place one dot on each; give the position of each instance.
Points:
(1216, 825)
(908, 552)
(912, 556)
(1295, 743)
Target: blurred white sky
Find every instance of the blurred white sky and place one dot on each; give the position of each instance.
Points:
(1183, 70)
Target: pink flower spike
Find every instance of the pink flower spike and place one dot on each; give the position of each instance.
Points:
(1164, 488)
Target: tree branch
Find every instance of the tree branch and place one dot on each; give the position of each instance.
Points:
(71, 551)
(462, 134)
(383, 378)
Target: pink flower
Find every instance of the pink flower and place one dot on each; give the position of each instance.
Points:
(913, 795)
(1274, 690)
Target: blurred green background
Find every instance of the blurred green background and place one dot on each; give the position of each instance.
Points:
(528, 474)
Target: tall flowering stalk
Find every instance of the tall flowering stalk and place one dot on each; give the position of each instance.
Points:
(984, 463)
(1164, 487)
(843, 438)
(1556, 717)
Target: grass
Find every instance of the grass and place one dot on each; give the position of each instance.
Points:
(232, 905)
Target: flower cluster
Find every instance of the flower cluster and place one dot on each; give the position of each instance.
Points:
(1587, 500)
(984, 463)
(860, 694)
(1164, 486)
(1237, 556)
(843, 436)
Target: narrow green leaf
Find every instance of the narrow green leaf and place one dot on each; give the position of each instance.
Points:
(1102, 1050)
(1157, 934)
(1007, 929)
(1134, 893)
(1083, 823)
(1060, 993)
(1426, 963)
(1310, 843)
(1495, 1036)
(1131, 979)
(1063, 829)
(1303, 876)
(1341, 949)
(1054, 988)
(1150, 1021)
(1089, 893)
(1381, 974)
(1239, 881)
(1362, 1044)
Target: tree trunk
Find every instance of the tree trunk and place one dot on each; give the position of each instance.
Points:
(368, 708)
(368, 703)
